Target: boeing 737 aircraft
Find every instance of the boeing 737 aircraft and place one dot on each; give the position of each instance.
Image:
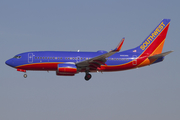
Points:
(70, 63)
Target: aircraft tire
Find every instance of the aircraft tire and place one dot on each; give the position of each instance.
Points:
(25, 75)
(88, 77)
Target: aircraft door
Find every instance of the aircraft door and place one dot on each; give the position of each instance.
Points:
(78, 59)
(135, 60)
(30, 57)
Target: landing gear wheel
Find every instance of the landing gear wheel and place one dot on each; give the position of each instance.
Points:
(25, 75)
(87, 77)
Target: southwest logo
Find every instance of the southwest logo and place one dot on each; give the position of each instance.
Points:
(152, 36)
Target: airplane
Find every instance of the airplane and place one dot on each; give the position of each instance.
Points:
(67, 63)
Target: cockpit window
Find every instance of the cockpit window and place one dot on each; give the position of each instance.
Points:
(17, 57)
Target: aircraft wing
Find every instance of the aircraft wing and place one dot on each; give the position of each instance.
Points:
(97, 61)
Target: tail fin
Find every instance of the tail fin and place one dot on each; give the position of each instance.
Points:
(154, 43)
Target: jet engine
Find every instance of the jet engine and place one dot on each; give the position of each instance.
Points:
(66, 69)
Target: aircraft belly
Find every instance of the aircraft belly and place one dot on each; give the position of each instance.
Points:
(39, 66)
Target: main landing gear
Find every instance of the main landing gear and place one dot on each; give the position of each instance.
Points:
(87, 76)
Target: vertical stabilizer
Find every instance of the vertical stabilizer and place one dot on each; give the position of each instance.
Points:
(154, 43)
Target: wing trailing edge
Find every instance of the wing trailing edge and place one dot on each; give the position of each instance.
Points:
(101, 59)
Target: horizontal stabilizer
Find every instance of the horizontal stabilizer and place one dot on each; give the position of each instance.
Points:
(160, 55)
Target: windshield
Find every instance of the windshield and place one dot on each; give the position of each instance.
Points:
(17, 57)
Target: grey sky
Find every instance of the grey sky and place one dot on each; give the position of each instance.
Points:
(149, 93)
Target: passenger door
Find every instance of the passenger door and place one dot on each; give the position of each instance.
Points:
(30, 57)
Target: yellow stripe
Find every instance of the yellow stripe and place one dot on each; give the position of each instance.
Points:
(152, 53)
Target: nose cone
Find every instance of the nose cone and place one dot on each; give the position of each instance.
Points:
(9, 62)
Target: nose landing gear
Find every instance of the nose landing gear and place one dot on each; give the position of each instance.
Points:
(25, 75)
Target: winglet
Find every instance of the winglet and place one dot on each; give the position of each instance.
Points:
(118, 48)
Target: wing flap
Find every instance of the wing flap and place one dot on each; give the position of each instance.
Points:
(101, 59)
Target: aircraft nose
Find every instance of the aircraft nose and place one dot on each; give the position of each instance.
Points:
(9, 62)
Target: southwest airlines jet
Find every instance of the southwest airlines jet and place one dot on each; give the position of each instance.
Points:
(66, 63)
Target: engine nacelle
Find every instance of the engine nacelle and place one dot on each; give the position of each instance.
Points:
(66, 69)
